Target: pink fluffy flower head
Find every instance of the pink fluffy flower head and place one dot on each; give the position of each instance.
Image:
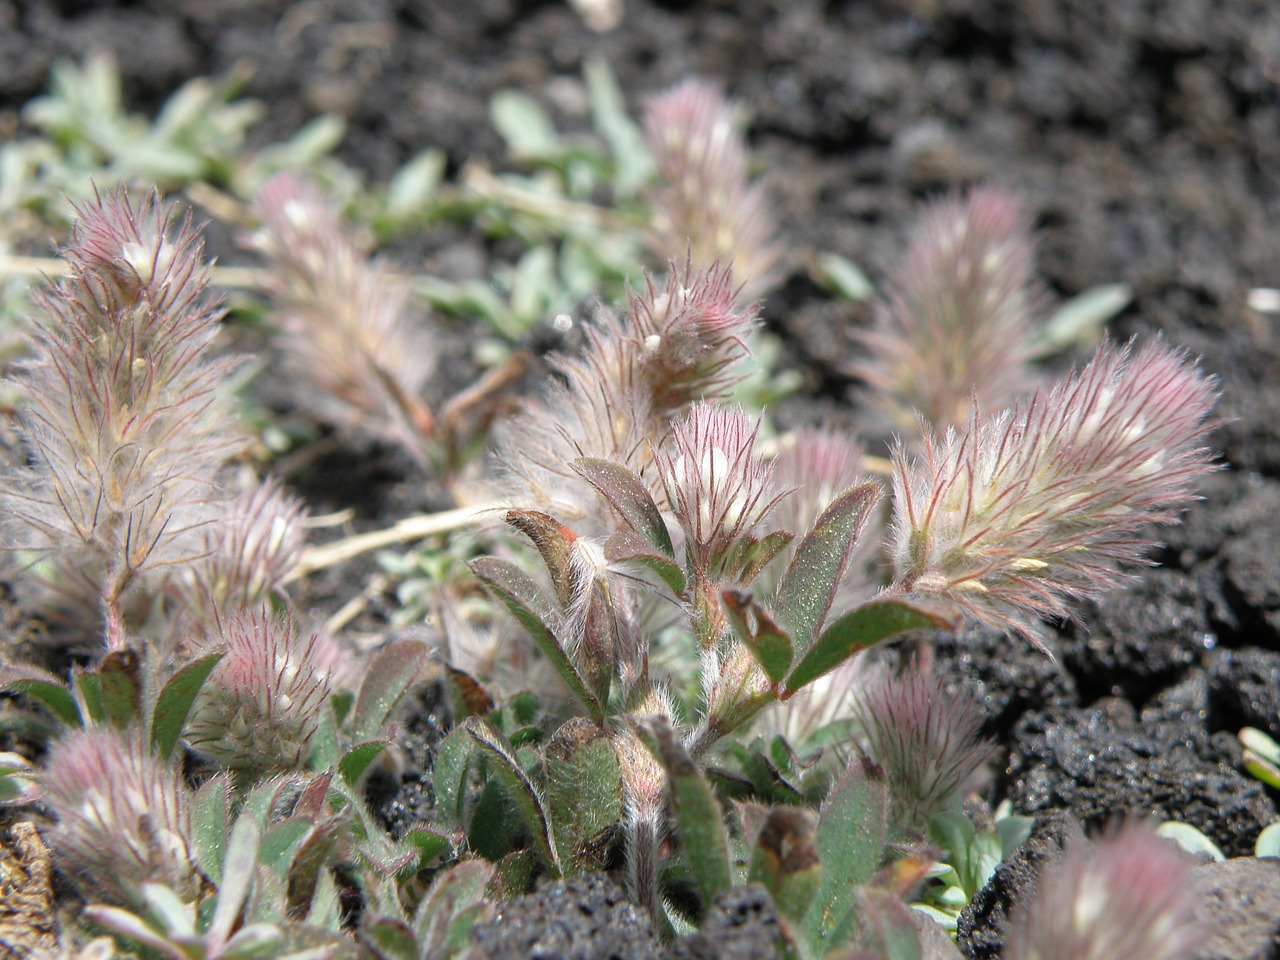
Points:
(926, 739)
(1031, 508)
(1128, 897)
(128, 421)
(716, 486)
(346, 319)
(955, 325)
(124, 816)
(260, 707)
(677, 342)
(704, 200)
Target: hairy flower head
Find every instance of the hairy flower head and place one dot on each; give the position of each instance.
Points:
(257, 712)
(124, 816)
(249, 552)
(1031, 508)
(127, 422)
(346, 320)
(716, 486)
(1127, 897)
(926, 739)
(677, 342)
(955, 326)
(704, 201)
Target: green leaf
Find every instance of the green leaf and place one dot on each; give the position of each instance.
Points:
(526, 797)
(521, 596)
(414, 183)
(1191, 840)
(629, 497)
(768, 644)
(843, 277)
(210, 811)
(310, 858)
(451, 907)
(750, 556)
(632, 162)
(280, 841)
(450, 774)
(387, 679)
(389, 939)
(810, 583)
(1080, 320)
(89, 687)
(356, 760)
(697, 814)
(121, 686)
(238, 872)
(431, 846)
(851, 835)
(523, 124)
(860, 628)
(584, 793)
(785, 861)
(1268, 843)
(45, 689)
(175, 700)
(627, 546)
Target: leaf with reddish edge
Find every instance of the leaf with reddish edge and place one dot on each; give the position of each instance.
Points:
(526, 797)
(121, 686)
(629, 497)
(175, 700)
(521, 596)
(750, 555)
(44, 688)
(627, 546)
(765, 639)
(860, 628)
(467, 696)
(785, 861)
(809, 586)
(555, 542)
(388, 678)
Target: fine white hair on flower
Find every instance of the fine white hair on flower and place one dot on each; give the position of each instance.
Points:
(715, 484)
(1029, 509)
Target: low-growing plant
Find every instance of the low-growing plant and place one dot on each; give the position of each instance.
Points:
(699, 597)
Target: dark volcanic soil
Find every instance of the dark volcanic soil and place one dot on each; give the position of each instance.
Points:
(1145, 138)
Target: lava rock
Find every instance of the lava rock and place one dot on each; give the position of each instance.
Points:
(587, 917)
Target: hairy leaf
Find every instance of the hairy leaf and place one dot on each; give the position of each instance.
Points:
(520, 595)
(525, 795)
(175, 700)
(808, 587)
(387, 679)
(629, 497)
(860, 628)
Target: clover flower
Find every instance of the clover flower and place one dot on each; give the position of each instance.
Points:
(1128, 897)
(1031, 508)
(250, 553)
(677, 342)
(927, 740)
(717, 488)
(124, 816)
(704, 201)
(127, 420)
(259, 709)
(956, 324)
(345, 319)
